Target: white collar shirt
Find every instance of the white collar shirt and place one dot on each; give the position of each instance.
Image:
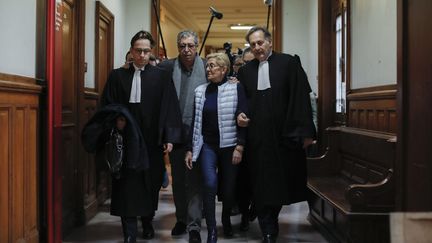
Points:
(135, 96)
(263, 75)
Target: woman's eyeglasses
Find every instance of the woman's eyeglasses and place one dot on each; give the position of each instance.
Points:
(211, 66)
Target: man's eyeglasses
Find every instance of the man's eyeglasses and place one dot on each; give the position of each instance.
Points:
(190, 46)
(239, 64)
(139, 51)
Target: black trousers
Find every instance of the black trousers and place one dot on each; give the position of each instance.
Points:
(130, 226)
(178, 174)
(268, 219)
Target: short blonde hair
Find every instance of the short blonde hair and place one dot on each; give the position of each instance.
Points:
(221, 60)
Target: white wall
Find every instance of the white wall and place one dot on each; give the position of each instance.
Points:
(138, 17)
(170, 30)
(18, 37)
(130, 16)
(373, 43)
(300, 35)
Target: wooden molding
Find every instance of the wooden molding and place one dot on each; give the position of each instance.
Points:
(375, 88)
(326, 70)
(154, 28)
(91, 94)
(380, 92)
(15, 83)
(17, 78)
(277, 25)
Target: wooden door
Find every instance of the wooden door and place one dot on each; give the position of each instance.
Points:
(104, 44)
(71, 189)
(104, 53)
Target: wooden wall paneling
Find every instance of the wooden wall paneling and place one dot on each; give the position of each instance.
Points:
(4, 172)
(17, 172)
(373, 108)
(19, 114)
(88, 160)
(31, 175)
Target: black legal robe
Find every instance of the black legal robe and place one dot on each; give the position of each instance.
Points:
(158, 117)
(280, 117)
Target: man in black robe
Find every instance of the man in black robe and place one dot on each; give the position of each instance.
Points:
(280, 128)
(149, 94)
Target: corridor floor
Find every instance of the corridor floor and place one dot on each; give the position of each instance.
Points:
(294, 226)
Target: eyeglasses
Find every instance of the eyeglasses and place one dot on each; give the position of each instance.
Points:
(239, 64)
(211, 66)
(190, 46)
(139, 51)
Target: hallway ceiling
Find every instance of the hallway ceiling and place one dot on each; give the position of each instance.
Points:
(195, 14)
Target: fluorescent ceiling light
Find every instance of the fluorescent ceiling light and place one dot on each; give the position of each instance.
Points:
(241, 27)
(247, 45)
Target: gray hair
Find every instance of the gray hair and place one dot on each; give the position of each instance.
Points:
(185, 34)
(246, 50)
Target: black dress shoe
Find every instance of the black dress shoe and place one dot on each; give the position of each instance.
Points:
(269, 238)
(252, 213)
(130, 239)
(244, 224)
(179, 229)
(194, 236)
(148, 231)
(212, 235)
(226, 223)
(228, 230)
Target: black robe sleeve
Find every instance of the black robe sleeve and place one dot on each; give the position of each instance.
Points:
(241, 108)
(298, 120)
(109, 95)
(170, 116)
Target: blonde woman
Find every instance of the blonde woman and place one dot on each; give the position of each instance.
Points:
(217, 142)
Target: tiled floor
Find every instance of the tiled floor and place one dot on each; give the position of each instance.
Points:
(106, 228)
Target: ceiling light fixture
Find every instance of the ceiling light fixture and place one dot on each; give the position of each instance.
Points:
(241, 26)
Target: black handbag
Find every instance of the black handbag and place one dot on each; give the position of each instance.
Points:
(114, 151)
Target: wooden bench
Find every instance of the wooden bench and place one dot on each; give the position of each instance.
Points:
(352, 186)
